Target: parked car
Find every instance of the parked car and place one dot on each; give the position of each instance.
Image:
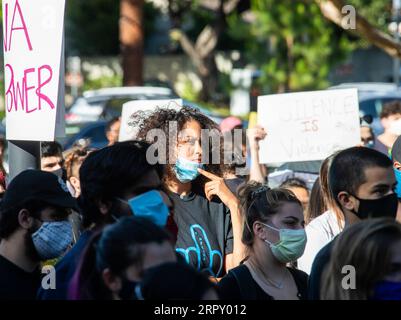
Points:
(372, 96)
(104, 104)
(95, 132)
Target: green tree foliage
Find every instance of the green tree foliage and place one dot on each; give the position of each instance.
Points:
(377, 12)
(291, 42)
(92, 26)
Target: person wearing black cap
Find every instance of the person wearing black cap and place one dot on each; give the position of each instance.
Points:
(34, 227)
(116, 181)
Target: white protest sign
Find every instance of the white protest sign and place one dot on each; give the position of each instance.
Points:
(33, 33)
(308, 126)
(128, 129)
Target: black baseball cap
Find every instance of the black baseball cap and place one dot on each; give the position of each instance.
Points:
(37, 185)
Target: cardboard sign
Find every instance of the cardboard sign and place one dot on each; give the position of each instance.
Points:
(308, 125)
(128, 130)
(33, 33)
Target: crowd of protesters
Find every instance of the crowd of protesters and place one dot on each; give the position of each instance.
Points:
(109, 224)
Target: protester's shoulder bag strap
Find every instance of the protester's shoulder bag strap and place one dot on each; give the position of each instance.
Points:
(245, 282)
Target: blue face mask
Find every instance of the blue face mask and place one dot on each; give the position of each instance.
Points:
(149, 205)
(387, 290)
(52, 239)
(398, 187)
(186, 170)
(370, 144)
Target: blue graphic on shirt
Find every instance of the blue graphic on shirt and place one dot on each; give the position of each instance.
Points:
(203, 250)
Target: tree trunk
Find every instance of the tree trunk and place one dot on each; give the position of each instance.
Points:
(209, 79)
(331, 9)
(131, 41)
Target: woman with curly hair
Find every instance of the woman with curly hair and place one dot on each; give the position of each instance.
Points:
(205, 210)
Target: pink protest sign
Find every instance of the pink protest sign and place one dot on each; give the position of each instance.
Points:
(33, 68)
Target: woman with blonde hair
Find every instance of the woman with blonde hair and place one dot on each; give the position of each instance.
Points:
(74, 158)
(323, 227)
(365, 263)
(73, 161)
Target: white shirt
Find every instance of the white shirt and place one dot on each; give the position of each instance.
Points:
(320, 231)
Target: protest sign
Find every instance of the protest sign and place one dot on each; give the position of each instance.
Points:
(34, 68)
(128, 130)
(308, 126)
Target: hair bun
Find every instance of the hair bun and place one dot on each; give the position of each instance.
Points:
(260, 190)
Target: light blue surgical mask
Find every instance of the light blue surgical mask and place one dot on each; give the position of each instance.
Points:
(149, 205)
(52, 239)
(370, 144)
(398, 187)
(186, 170)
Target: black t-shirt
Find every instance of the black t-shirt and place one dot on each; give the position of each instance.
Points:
(319, 264)
(204, 232)
(234, 184)
(230, 288)
(381, 147)
(16, 283)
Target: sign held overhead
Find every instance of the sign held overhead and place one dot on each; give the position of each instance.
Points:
(34, 68)
(307, 126)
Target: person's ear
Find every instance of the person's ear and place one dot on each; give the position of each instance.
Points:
(104, 206)
(111, 281)
(346, 201)
(397, 165)
(25, 219)
(76, 185)
(259, 230)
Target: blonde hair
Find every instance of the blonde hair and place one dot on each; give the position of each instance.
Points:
(367, 247)
(74, 158)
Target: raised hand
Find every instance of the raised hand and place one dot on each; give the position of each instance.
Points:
(216, 186)
(255, 135)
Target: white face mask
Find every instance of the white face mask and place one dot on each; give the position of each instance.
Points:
(395, 127)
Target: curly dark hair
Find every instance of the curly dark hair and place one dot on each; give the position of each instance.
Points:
(161, 118)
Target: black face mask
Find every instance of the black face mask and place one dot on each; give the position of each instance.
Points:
(61, 173)
(378, 208)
